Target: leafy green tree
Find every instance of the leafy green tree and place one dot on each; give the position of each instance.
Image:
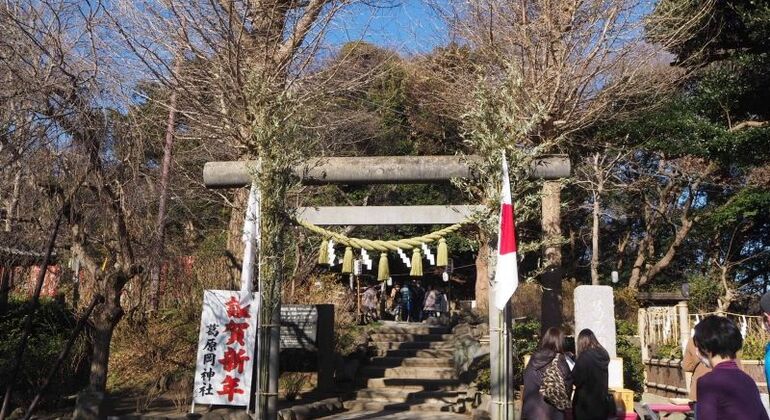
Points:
(699, 157)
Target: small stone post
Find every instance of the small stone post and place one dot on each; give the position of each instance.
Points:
(684, 324)
(642, 328)
(683, 314)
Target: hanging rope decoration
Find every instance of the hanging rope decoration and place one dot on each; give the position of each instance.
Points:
(416, 263)
(442, 255)
(347, 261)
(383, 270)
(323, 253)
(383, 247)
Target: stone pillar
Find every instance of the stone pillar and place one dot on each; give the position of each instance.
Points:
(684, 324)
(641, 330)
(551, 221)
(642, 327)
(551, 310)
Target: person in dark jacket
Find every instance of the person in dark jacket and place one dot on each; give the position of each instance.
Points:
(590, 375)
(726, 392)
(534, 406)
(406, 303)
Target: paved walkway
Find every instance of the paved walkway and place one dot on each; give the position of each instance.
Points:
(657, 399)
(395, 415)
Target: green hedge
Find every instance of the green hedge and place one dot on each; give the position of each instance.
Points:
(628, 349)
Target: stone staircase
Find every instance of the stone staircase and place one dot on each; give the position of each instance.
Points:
(412, 370)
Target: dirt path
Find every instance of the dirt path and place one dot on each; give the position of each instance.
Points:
(395, 415)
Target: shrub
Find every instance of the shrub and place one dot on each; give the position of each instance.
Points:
(754, 347)
(167, 343)
(666, 351)
(526, 335)
(292, 384)
(483, 380)
(52, 327)
(628, 349)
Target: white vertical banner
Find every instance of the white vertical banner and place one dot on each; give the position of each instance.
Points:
(226, 346)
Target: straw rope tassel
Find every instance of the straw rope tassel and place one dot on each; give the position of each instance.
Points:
(323, 253)
(347, 261)
(383, 270)
(416, 263)
(442, 255)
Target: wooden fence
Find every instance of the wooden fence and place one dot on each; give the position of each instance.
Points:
(661, 326)
(665, 377)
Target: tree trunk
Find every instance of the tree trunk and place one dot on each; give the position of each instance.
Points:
(106, 317)
(90, 403)
(668, 257)
(13, 203)
(482, 273)
(636, 269)
(160, 223)
(723, 303)
(101, 338)
(5, 287)
(622, 250)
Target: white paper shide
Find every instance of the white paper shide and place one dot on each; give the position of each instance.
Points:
(226, 348)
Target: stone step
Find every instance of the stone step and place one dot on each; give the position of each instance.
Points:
(414, 353)
(408, 372)
(415, 384)
(369, 405)
(407, 395)
(386, 345)
(413, 361)
(401, 337)
(410, 329)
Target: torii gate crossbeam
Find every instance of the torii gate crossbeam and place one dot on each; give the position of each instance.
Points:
(376, 170)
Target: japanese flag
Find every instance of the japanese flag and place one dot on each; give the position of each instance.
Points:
(507, 271)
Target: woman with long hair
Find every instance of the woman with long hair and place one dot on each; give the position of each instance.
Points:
(590, 376)
(549, 362)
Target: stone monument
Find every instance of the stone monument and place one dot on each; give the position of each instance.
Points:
(595, 310)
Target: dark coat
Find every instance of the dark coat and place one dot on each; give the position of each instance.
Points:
(534, 406)
(591, 391)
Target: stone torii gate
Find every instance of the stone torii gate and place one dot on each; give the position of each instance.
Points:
(387, 170)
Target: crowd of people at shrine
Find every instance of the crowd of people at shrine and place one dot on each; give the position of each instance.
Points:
(408, 302)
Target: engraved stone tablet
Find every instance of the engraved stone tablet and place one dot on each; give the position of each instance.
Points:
(595, 309)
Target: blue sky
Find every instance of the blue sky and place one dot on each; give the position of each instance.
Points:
(408, 26)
